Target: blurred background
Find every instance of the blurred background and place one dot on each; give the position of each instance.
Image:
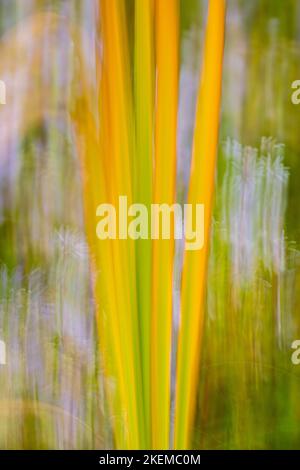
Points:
(51, 388)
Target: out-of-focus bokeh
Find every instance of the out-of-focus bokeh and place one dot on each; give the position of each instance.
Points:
(52, 388)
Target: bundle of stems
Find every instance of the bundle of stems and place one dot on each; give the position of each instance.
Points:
(129, 148)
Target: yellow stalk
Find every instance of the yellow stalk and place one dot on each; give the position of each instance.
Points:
(201, 192)
(118, 158)
(164, 192)
(91, 149)
(144, 108)
(106, 167)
